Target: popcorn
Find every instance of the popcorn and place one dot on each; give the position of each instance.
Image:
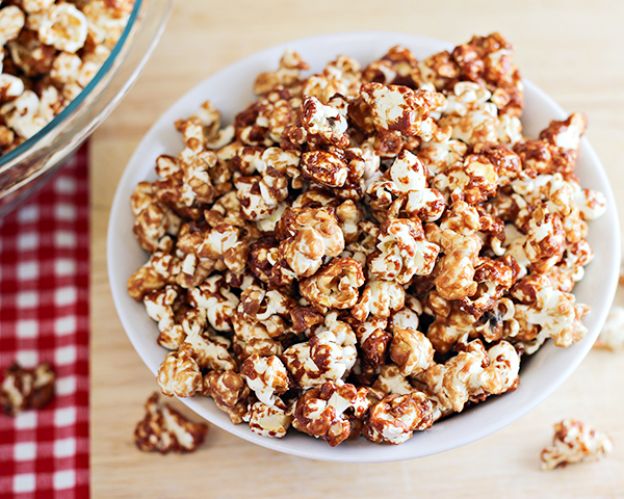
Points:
(461, 246)
(179, 373)
(612, 334)
(574, 442)
(11, 23)
(159, 306)
(51, 51)
(470, 376)
(229, 392)
(290, 66)
(373, 340)
(261, 195)
(23, 388)
(326, 122)
(160, 269)
(411, 351)
(265, 307)
(335, 285)
(396, 107)
(398, 66)
(474, 118)
(253, 337)
(340, 76)
(549, 314)
(379, 299)
(409, 183)
(164, 430)
(27, 114)
(329, 355)
(404, 252)
(266, 377)
(269, 421)
(313, 234)
(105, 23)
(210, 351)
(64, 27)
(325, 168)
(216, 301)
(485, 60)
(392, 382)
(330, 412)
(394, 418)
(295, 250)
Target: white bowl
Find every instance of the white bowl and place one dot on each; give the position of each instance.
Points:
(230, 91)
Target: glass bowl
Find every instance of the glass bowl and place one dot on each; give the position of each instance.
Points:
(27, 167)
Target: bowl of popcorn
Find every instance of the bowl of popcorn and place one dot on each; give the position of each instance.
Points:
(364, 247)
(65, 66)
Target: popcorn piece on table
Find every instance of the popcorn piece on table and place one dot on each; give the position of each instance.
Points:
(574, 442)
(164, 430)
(23, 388)
(612, 334)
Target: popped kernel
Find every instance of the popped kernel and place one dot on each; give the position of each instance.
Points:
(574, 442)
(394, 418)
(330, 412)
(26, 388)
(612, 334)
(163, 429)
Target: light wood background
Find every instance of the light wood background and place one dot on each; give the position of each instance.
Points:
(573, 49)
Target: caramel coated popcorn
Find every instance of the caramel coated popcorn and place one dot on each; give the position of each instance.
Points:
(612, 334)
(164, 430)
(23, 388)
(365, 250)
(574, 442)
(51, 50)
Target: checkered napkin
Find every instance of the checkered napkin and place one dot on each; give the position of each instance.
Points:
(44, 317)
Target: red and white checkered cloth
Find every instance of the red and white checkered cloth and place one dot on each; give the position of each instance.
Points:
(44, 316)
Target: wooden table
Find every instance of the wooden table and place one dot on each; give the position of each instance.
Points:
(572, 49)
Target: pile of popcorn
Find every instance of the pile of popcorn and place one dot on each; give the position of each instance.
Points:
(364, 251)
(49, 51)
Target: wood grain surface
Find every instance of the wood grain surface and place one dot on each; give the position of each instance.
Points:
(573, 49)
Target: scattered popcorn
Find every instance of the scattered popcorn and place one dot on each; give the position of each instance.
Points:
(50, 41)
(164, 430)
(23, 388)
(361, 251)
(574, 442)
(267, 421)
(612, 334)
